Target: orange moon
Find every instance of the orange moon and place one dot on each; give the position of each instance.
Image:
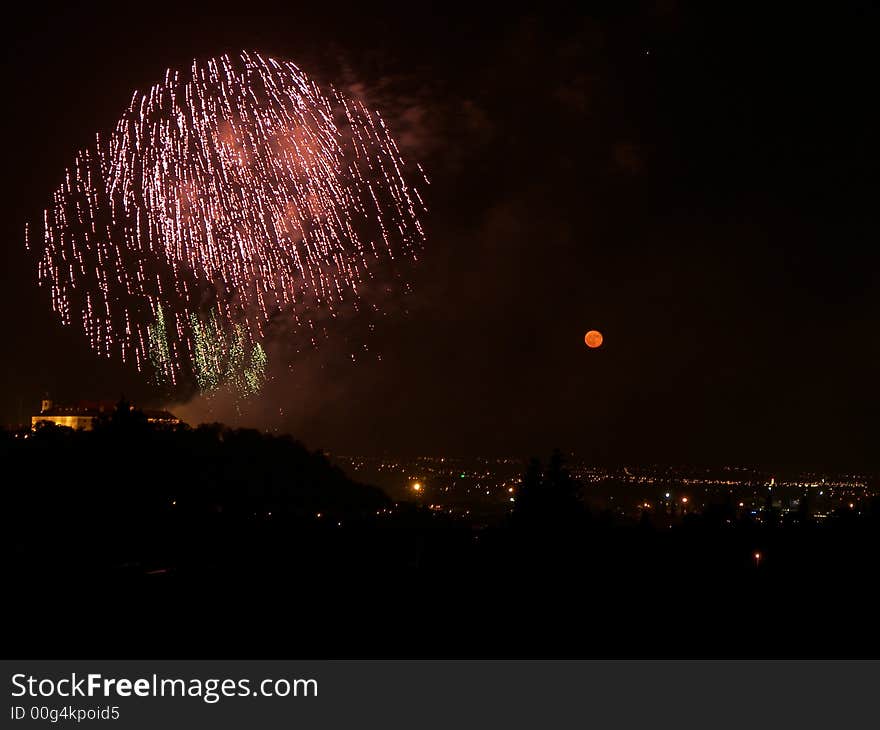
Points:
(593, 338)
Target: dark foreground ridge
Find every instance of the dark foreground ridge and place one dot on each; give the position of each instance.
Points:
(175, 542)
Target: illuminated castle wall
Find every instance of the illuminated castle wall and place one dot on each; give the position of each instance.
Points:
(83, 415)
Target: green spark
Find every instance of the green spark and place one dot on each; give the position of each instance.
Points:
(160, 353)
(223, 358)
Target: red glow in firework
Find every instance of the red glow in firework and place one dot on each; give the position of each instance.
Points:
(235, 195)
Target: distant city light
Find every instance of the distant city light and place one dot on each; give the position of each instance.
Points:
(458, 481)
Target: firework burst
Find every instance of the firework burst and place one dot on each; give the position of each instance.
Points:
(227, 198)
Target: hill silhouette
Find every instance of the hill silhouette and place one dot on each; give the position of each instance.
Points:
(157, 541)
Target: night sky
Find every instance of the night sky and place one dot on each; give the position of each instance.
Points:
(699, 183)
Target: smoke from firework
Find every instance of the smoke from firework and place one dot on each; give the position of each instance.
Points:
(222, 201)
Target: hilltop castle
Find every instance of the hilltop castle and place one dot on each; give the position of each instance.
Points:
(84, 414)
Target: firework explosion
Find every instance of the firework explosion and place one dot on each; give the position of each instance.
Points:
(237, 196)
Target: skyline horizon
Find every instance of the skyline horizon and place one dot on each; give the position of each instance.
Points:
(802, 467)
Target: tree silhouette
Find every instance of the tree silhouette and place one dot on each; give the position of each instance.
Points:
(549, 498)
